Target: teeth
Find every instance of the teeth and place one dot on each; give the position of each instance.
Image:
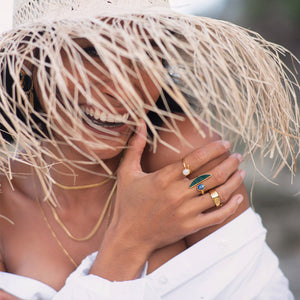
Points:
(97, 115)
(104, 117)
(91, 112)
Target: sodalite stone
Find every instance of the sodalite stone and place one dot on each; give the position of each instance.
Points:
(200, 187)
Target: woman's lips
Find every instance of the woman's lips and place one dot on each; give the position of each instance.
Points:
(103, 117)
(102, 120)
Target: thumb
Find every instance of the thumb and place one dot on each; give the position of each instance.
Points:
(136, 145)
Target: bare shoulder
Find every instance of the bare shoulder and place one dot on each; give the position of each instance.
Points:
(193, 140)
(6, 205)
(10, 210)
(3, 221)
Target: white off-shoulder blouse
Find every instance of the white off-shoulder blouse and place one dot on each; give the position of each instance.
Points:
(233, 263)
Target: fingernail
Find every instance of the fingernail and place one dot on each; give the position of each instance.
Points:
(242, 173)
(239, 199)
(238, 156)
(226, 144)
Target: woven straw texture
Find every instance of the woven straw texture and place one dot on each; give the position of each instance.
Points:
(36, 10)
(226, 76)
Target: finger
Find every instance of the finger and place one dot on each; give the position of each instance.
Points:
(133, 154)
(226, 190)
(205, 202)
(197, 158)
(216, 176)
(219, 215)
(203, 155)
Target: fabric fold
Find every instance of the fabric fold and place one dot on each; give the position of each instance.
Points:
(232, 263)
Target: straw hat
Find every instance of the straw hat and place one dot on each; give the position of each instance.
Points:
(214, 71)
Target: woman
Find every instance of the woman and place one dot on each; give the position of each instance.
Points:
(85, 84)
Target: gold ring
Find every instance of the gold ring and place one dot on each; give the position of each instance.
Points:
(198, 183)
(186, 169)
(216, 198)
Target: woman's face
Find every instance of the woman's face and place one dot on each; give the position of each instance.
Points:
(105, 117)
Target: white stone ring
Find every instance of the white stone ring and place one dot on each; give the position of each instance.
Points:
(186, 169)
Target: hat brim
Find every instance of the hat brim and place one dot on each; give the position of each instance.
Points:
(216, 72)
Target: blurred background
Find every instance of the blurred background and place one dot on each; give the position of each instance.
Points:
(279, 205)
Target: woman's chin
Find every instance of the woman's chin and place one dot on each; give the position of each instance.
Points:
(107, 148)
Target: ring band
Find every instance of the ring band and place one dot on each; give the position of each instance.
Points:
(215, 197)
(186, 169)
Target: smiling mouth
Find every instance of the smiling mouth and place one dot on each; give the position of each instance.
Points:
(99, 118)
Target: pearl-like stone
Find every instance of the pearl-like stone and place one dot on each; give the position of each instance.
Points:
(186, 172)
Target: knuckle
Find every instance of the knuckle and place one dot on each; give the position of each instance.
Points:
(220, 175)
(201, 155)
(167, 170)
(223, 194)
(220, 218)
(225, 213)
(161, 181)
(175, 199)
(188, 227)
(180, 215)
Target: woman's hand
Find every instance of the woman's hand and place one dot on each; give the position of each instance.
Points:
(156, 209)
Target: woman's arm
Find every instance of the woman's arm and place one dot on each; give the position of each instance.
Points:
(151, 210)
(164, 156)
(4, 295)
(2, 267)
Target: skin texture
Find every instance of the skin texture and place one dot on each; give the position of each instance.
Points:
(120, 239)
(140, 226)
(6, 296)
(164, 156)
(101, 82)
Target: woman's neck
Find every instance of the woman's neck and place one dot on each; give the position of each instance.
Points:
(75, 178)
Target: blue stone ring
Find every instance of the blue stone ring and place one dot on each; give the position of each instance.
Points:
(198, 183)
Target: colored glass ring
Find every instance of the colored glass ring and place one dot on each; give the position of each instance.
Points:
(198, 182)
